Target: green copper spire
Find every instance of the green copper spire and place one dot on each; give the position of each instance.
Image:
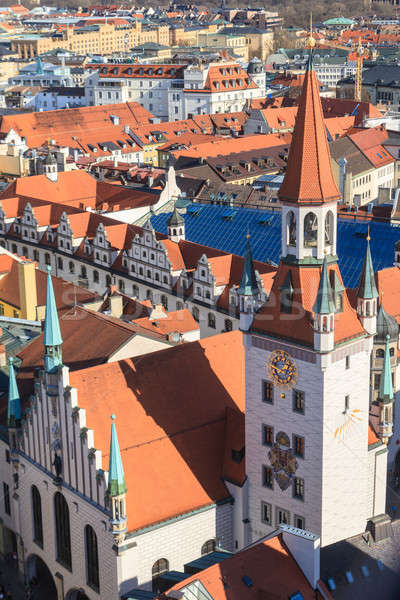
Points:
(52, 339)
(367, 287)
(248, 284)
(386, 385)
(116, 478)
(324, 304)
(14, 403)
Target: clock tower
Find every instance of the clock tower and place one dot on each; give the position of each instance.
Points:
(309, 458)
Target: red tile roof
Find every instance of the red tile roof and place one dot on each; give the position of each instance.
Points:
(180, 321)
(309, 178)
(142, 71)
(151, 423)
(297, 326)
(269, 565)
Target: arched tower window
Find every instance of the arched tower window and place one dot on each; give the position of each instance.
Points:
(291, 228)
(92, 558)
(208, 547)
(63, 533)
(160, 567)
(329, 228)
(310, 230)
(37, 516)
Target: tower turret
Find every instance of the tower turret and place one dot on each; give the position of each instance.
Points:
(324, 313)
(248, 290)
(116, 488)
(52, 339)
(385, 397)
(176, 226)
(367, 294)
(50, 168)
(14, 402)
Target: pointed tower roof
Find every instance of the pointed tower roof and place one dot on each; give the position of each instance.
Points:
(116, 477)
(386, 325)
(386, 385)
(52, 333)
(175, 219)
(324, 304)
(367, 286)
(309, 178)
(248, 283)
(14, 402)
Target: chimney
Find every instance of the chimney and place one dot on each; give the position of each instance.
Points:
(27, 289)
(116, 306)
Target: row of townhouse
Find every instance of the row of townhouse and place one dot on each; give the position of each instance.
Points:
(174, 92)
(97, 252)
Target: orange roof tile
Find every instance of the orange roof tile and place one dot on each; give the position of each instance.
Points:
(297, 326)
(274, 573)
(181, 321)
(151, 422)
(309, 177)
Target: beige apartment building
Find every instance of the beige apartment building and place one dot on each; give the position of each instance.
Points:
(103, 39)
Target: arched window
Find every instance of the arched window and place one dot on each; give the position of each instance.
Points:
(391, 352)
(135, 291)
(25, 252)
(92, 558)
(160, 567)
(291, 228)
(47, 258)
(228, 325)
(37, 516)
(179, 305)
(71, 267)
(83, 272)
(207, 547)
(329, 228)
(164, 302)
(108, 280)
(63, 534)
(14, 249)
(60, 263)
(121, 285)
(96, 276)
(367, 309)
(310, 230)
(380, 353)
(149, 295)
(196, 313)
(211, 320)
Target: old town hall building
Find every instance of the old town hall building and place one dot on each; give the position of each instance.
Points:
(115, 473)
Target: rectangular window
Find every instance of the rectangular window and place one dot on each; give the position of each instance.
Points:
(346, 403)
(298, 445)
(266, 513)
(282, 516)
(347, 362)
(298, 401)
(377, 381)
(298, 488)
(267, 435)
(299, 522)
(267, 391)
(6, 494)
(267, 477)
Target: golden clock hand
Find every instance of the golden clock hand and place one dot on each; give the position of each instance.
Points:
(277, 369)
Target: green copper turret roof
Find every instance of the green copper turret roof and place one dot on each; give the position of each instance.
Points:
(175, 219)
(367, 286)
(248, 283)
(324, 303)
(116, 478)
(386, 385)
(52, 333)
(14, 402)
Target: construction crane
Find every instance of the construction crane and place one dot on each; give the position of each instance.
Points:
(361, 54)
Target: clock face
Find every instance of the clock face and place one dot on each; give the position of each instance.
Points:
(282, 368)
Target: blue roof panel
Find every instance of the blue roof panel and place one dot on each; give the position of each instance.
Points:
(209, 228)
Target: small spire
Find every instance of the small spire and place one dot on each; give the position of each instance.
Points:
(14, 402)
(248, 283)
(386, 385)
(367, 286)
(324, 303)
(176, 218)
(52, 339)
(116, 478)
(311, 40)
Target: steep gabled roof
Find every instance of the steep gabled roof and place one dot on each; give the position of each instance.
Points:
(309, 178)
